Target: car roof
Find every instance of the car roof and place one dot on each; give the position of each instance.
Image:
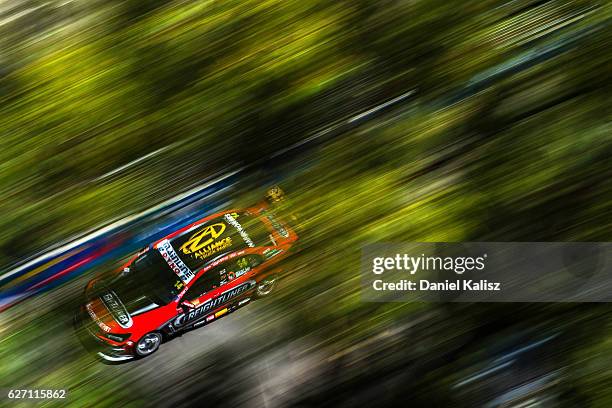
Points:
(209, 240)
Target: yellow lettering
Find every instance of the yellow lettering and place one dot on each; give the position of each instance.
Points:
(213, 248)
(198, 241)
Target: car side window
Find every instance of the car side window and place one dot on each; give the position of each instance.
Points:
(242, 265)
(255, 260)
(222, 274)
(207, 282)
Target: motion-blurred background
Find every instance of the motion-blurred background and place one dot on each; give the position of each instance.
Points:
(383, 120)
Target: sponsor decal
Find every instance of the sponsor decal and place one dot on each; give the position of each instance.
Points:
(202, 238)
(232, 221)
(117, 310)
(213, 248)
(269, 253)
(221, 312)
(217, 262)
(210, 318)
(244, 302)
(95, 318)
(201, 311)
(175, 263)
(277, 225)
(241, 272)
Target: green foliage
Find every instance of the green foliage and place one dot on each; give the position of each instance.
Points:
(222, 83)
(101, 84)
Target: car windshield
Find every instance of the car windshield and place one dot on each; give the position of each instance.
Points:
(150, 275)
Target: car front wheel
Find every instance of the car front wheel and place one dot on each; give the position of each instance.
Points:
(148, 344)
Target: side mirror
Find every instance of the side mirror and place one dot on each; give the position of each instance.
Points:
(187, 305)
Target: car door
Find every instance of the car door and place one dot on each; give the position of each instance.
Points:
(217, 290)
(244, 266)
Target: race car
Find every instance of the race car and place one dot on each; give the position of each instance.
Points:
(187, 279)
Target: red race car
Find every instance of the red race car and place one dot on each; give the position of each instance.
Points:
(187, 279)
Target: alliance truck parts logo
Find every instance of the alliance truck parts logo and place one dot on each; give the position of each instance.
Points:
(204, 242)
(199, 312)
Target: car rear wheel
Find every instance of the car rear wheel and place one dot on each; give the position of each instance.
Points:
(266, 286)
(148, 344)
